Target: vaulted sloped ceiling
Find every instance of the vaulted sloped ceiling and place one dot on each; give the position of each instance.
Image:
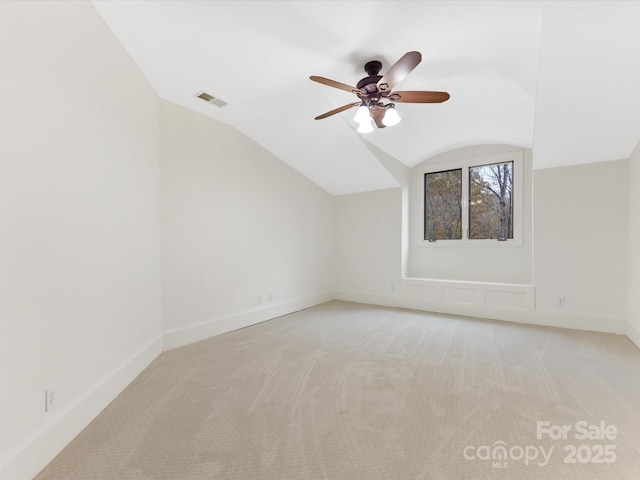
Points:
(559, 77)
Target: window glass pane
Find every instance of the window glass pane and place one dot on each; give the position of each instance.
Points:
(491, 201)
(442, 205)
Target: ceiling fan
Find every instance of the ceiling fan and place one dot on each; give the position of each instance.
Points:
(377, 96)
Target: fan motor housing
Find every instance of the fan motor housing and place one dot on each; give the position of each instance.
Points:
(369, 84)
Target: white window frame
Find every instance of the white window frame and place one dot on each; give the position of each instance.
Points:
(518, 184)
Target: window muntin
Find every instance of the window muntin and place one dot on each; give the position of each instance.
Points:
(443, 205)
(491, 201)
(475, 238)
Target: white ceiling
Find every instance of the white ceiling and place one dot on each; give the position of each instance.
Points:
(560, 77)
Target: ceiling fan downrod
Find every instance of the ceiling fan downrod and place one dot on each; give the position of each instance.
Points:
(373, 68)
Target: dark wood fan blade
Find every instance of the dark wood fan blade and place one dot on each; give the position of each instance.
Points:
(338, 110)
(333, 83)
(378, 115)
(399, 70)
(419, 97)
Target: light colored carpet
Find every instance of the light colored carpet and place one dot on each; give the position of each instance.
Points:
(350, 391)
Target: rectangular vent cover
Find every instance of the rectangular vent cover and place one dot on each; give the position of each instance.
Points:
(211, 99)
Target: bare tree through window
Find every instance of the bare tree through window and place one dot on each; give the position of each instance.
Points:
(491, 201)
(443, 214)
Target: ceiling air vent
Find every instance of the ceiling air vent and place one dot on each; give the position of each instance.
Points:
(211, 99)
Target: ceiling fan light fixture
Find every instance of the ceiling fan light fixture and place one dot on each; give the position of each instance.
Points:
(391, 116)
(376, 91)
(365, 127)
(362, 114)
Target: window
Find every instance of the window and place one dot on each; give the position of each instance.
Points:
(442, 205)
(476, 202)
(491, 201)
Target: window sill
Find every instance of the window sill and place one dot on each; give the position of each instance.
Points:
(465, 243)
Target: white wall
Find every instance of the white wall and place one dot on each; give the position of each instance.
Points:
(368, 242)
(237, 223)
(402, 175)
(481, 264)
(580, 239)
(79, 226)
(633, 259)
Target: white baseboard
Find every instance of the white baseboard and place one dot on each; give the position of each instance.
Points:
(35, 452)
(577, 321)
(633, 333)
(526, 315)
(199, 331)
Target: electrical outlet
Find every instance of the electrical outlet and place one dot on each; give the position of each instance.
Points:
(561, 301)
(270, 298)
(259, 301)
(50, 399)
